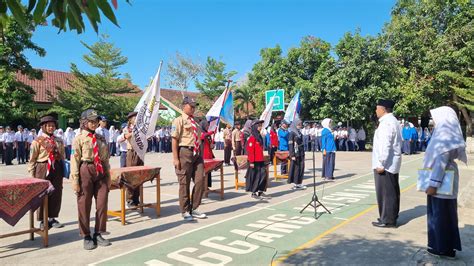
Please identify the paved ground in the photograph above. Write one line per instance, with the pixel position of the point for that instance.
(241, 231)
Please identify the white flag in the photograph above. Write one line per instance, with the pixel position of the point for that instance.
(145, 123)
(267, 113)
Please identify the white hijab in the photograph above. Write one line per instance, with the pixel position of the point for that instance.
(326, 122)
(447, 136)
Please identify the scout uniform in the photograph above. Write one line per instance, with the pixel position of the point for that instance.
(236, 141)
(90, 169)
(133, 195)
(46, 162)
(186, 131)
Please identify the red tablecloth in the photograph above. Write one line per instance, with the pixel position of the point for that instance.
(282, 155)
(18, 196)
(133, 176)
(212, 165)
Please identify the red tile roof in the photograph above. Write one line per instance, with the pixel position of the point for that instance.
(51, 80)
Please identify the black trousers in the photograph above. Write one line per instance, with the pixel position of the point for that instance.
(21, 152)
(8, 153)
(227, 151)
(2, 152)
(387, 189)
(296, 171)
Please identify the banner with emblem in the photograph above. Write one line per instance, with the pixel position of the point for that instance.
(145, 122)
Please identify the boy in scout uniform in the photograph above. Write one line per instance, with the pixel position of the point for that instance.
(90, 177)
(188, 161)
(46, 162)
(133, 195)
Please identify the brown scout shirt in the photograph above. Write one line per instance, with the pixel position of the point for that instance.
(129, 144)
(182, 130)
(39, 154)
(235, 137)
(82, 150)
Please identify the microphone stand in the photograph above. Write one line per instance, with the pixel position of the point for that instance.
(315, 203)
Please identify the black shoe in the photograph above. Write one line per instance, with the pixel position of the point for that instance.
(54, 223)
(89, 243)
(384, 225)
(99, 240)
(447, 255)
(131, 205)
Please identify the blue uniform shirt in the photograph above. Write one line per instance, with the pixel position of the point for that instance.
(327, 141)
(406, 133)
(283, 139)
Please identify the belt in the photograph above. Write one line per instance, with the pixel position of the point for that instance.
(88, 162)
(187, 147)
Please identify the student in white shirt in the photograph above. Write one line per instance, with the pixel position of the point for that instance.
(386, 162)
(9, 145)
(122, 143)
(112, 141)
(2, 142)
(20, 142)
(68, 139)
(361, 139)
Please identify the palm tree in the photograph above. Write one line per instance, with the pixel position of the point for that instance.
(245, 97)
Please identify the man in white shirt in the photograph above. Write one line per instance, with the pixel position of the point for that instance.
(102, 129)
(20, 143)
(386, 162)
(122, 144)
(2, 141)
(8, 145)
(361, 139)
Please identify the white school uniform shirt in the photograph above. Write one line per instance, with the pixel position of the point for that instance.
(21, 136)
(319, 132)
(122, 143)
(387, 152)
(2, 137)
(313, 131)
(361, 134)
(69, 137)
(31, 137)
(9, 137)
(104, 132)
(352, 135)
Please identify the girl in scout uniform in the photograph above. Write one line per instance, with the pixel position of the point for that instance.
(91, 178)
(46, 162)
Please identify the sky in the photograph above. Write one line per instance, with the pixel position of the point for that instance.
(233, 31)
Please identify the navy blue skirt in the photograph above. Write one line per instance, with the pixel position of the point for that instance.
(443, 231)
(329, 162)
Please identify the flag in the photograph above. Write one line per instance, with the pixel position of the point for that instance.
(223, 107)
(227, 112)
(145, 122)
(293, 108)
(267, 113)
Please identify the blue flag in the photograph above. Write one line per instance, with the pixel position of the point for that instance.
(293, 108)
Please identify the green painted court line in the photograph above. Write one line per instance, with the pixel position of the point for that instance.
(224, 241)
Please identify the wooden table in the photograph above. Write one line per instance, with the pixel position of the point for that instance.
(19, 196)
(281, 156)
(241, 163)
(214, 165)
(134, 177)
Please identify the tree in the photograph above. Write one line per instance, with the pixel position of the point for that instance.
(16, 99)
(65, 13)
(215, 79)
(245, 97)
(351, 85)
(432, 43)
(181, 71)
(106, 91)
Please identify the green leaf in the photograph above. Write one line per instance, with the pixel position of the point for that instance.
(38, 14)
(107, 10)
(76, 13)
(17, 11)
(3, 7)
(31, 5)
